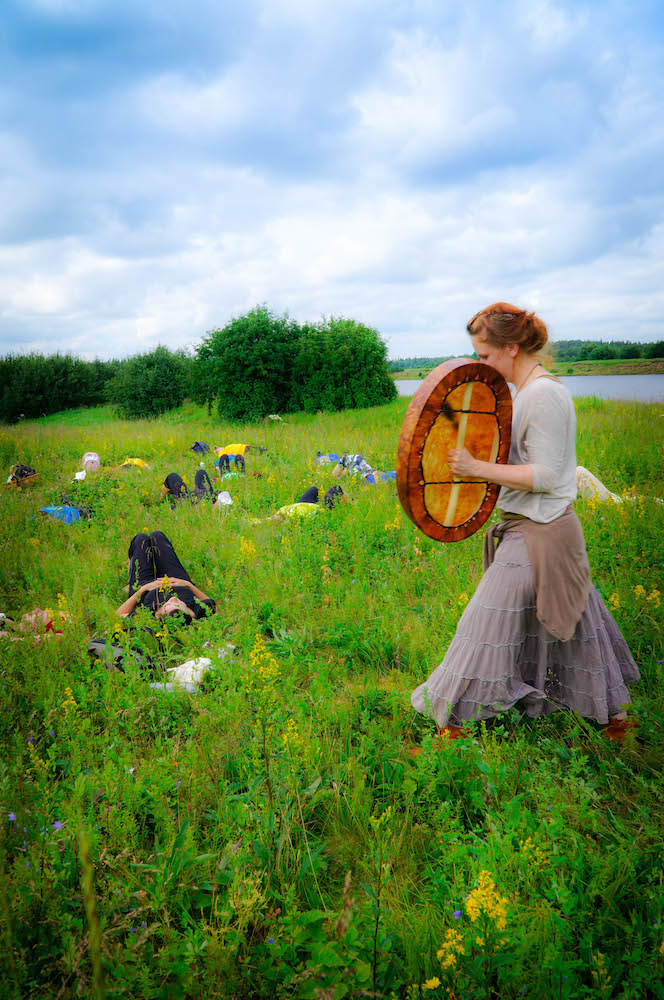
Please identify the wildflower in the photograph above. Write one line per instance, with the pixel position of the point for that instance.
(451, 948)
(270, 940)
(143, 925)
(247, 549)
(456, 914)
(69, 705)
(654, 598)
(382, 820)
(57, 825)
(178, 783)
(431, 984)
(614, 600)
(532, 853)
(264, 667)
(600, 973)
(463, 599)
(292, 740)
(486, 900)
(639, 591)
(11, 817)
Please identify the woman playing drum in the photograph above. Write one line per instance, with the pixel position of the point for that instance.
(536, 633)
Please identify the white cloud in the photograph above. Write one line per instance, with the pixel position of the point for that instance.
(403, 171)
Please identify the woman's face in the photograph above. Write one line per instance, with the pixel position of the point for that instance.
(500, 358)
(171, 606)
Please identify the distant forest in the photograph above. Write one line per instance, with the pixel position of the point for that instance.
(563, 350)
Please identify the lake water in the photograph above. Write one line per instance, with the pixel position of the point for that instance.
(645, 388)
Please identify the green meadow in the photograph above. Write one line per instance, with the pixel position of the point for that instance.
(271, 836)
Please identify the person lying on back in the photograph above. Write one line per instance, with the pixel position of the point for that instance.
(159, 582)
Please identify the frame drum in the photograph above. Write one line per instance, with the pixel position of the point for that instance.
(461, 404)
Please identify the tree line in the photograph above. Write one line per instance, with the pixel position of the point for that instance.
(257, 364)
(563, 351)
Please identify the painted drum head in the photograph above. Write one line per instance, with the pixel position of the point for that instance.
(461, 404)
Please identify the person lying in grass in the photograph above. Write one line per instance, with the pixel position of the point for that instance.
(308, 505)
(357, 465)
(159, 582)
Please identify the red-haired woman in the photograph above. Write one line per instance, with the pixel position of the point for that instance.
(536, 633)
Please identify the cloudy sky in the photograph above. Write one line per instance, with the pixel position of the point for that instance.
(165, 166)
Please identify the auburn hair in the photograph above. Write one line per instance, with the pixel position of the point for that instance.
(502, 324)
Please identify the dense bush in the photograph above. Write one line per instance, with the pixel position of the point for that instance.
(262, 363)
(250, 361)
(341, 365)
(149, 384)
(32, 385)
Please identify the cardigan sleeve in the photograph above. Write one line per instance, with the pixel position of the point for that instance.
(546, 440)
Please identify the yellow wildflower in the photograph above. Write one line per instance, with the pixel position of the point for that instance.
(431, 984)
(293, 741)
(247, 549)
(654, 598)
(382, 820)
(463, 599)
(265, 668)
(532, 853)
(599, 973)
(69, 705)
(486, 900)
(451, 947)
(639, 591)
(614, 600)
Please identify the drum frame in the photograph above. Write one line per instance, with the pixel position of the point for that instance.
(424, 410)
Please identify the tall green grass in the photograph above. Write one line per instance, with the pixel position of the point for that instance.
(271, 837)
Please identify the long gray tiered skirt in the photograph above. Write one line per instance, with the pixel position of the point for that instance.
(502, 656)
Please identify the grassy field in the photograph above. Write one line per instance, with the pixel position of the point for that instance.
(634, 366)
(271, 836)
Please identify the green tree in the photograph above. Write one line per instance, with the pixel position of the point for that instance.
(341, 364)
(602, 352)
(655, 350)
(630, 351)
(251, 361)
(149, 384)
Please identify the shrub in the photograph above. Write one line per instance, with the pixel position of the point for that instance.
(251, 362)
(32, 385)
(341, 364)
(149, 384)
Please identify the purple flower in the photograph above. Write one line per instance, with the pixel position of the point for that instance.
(177, 784)
(31, 739)
(270, 940)
(143, 925)
(456, 914)
(132, 930)
(52, 732)
(11, 817)
(57, 825)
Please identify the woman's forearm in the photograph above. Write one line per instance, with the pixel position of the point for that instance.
(515, 477)
(129, 605)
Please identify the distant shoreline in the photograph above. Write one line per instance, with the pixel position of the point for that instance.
(631, 366)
